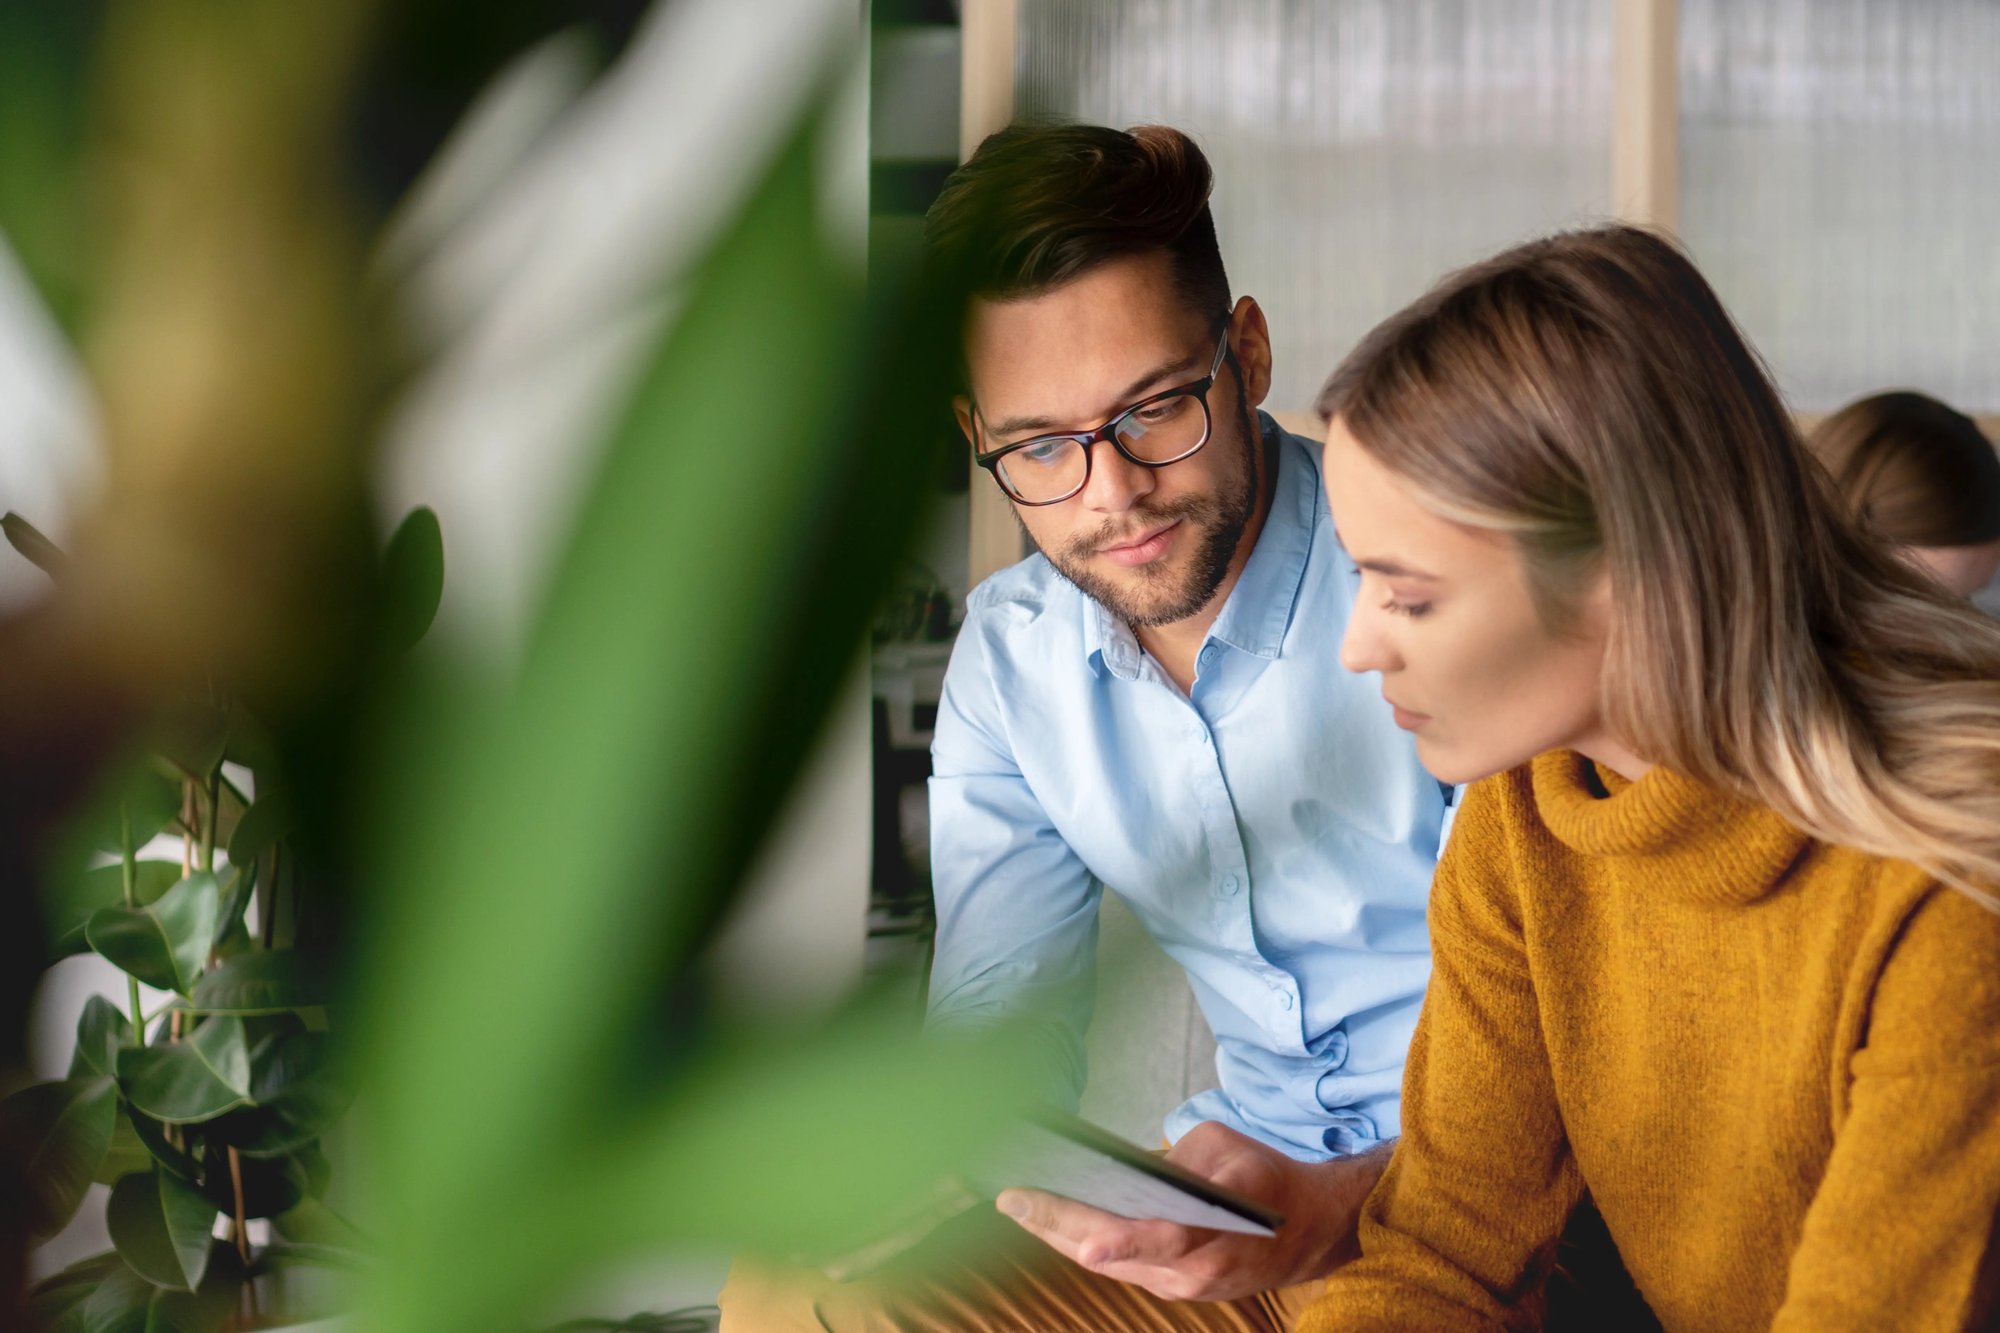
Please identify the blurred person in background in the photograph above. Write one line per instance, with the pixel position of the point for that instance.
(1716, 937)
(1921, 476)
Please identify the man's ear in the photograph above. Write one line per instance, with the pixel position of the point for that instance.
(1250, 344)
(961, 407)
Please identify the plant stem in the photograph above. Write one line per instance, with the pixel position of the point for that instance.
(208, 819)
(187, 827)
(268, 912)
(131, 901)
(236, 1185)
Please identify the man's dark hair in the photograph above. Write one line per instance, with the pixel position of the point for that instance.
(1040, 204)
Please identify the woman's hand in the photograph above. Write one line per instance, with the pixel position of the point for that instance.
(1319, 1201)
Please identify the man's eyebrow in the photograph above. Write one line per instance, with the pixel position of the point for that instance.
(1135, 390)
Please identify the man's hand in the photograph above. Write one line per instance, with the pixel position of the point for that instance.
(1319, 1201)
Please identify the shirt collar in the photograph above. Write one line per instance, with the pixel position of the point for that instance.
(1259, 608)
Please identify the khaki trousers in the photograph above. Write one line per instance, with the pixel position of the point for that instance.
(979, 1273)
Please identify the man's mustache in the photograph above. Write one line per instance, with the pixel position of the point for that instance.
(1124, 531)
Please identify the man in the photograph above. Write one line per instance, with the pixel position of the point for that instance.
(1153, 703)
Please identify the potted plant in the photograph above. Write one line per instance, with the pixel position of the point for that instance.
(207, 1111)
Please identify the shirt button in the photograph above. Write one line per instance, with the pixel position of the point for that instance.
(1285, 1000)
(1231, 884)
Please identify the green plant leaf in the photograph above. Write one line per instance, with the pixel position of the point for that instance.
(263, 981)
(100, 1032)
(234, 941)
(125, 1302)
(412, 579)
(163, 1227)
(268, 819)
(33, 546)
(152, 1136)
(192, 1080)
(60, 1132)
(54, 1297)
(299, 1090)
(236, 891)
(165, 943)
(128, 1151)
(69, 909)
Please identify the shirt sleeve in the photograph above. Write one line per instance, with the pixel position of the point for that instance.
(1461, 1229)
(1900, 1233)
(1016, 908)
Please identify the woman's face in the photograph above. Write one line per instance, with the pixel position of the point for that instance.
(1445, 615)
(1963, 569)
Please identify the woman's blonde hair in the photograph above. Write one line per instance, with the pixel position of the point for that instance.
(1588, 394)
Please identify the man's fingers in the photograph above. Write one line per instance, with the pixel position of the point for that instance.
(1093, 1237)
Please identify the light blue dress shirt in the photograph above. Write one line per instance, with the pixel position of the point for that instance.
(1272, 829)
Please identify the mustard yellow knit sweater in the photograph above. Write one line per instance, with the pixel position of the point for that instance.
(1774, 1064)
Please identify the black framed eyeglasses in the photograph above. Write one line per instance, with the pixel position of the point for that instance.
(1153, 432)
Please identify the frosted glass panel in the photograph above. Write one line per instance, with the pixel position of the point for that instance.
(1840, 177)
(1361, 147)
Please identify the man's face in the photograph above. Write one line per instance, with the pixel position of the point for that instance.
(1153, 545)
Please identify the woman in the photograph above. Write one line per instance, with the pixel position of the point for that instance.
(1715, 935)
(1922, 477)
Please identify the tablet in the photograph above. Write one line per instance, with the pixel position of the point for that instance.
(1061, 1154)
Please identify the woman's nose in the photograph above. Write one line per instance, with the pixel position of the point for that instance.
(1363, 647)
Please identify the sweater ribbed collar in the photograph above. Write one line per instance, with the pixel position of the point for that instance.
(1668, 831)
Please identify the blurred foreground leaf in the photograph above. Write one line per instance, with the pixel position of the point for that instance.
(44, 55)
(551, 865)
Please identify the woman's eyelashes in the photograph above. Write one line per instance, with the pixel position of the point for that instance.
(1395, 604)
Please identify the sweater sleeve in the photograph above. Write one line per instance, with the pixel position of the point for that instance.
(1459, 1232)
(1901, 1231)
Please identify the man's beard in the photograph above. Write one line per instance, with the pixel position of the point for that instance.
(1164, 595)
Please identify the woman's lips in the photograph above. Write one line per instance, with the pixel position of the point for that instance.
(1145, 550)
(1407, 720)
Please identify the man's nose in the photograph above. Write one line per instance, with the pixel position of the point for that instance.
(1116, 482)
